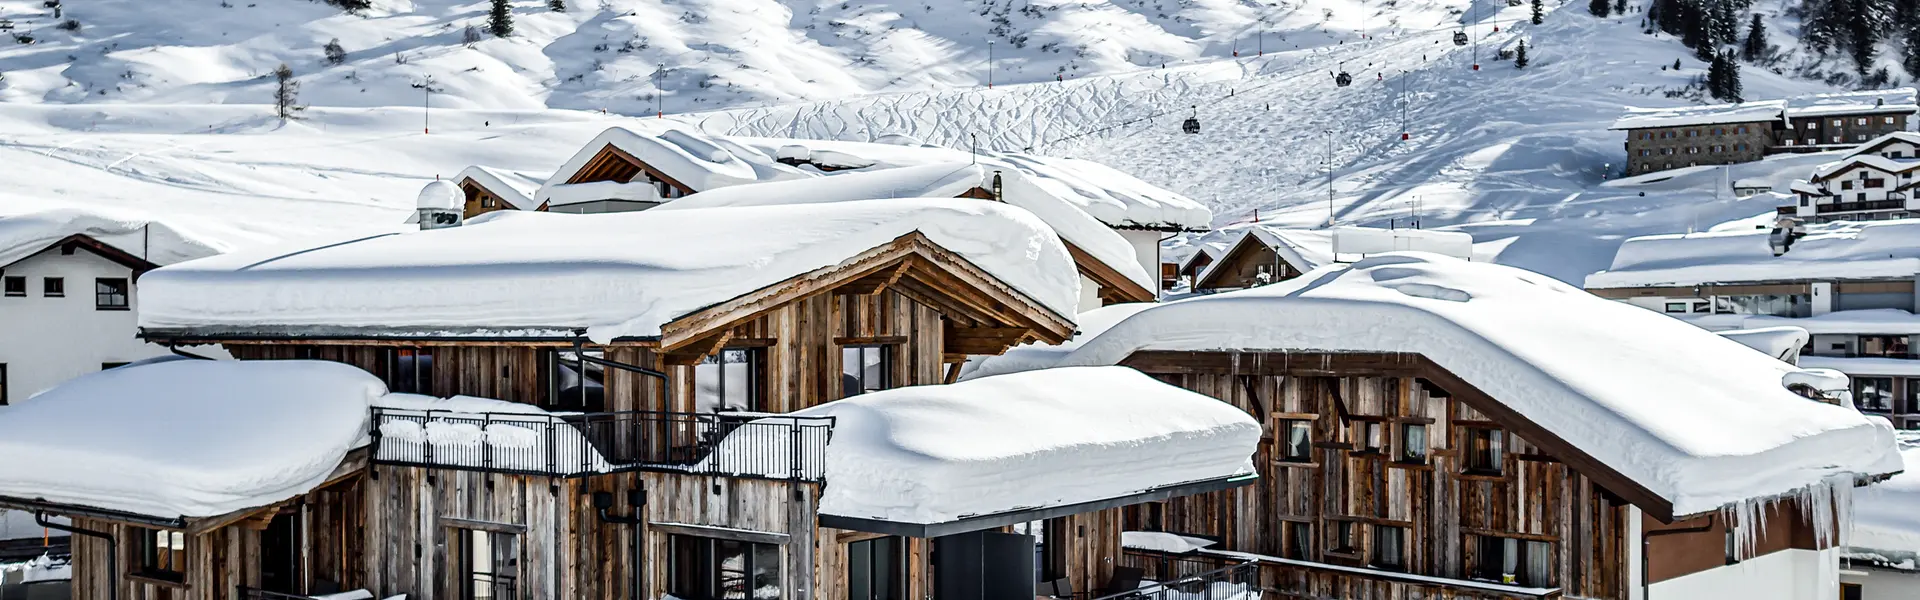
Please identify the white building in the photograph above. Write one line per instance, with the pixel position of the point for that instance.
(1874, 182)
(70, 290)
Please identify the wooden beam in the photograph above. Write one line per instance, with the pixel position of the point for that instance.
(875, 283)
(1113, 284)
(698, 350)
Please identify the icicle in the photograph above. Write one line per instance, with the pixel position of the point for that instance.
(1827, 505)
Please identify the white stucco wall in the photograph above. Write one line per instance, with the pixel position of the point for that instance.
(1089, 294)
(1146, 249)
(1880, 584)
(45, 341)
(1784, 575)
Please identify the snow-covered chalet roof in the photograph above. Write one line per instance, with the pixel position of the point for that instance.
(516, 187)
(1116, 198)
(1035, 355)
(616, 275)
(1848, 103)
(1829, 251)
(939, 180)
(937, 453)
(1305, 249)
(27, 234)
(844, 155)
(701, 162)
(1884, 518)
(186, 438)
(1694, 418)
(1711, 114)
(1882, 163)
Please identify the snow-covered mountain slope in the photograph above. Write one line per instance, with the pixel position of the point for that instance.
(619, 54)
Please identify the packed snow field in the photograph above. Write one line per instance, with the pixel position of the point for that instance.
(1520, 158)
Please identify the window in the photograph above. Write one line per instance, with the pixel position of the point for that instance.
(1873, 393)
(731, 380)
(410, 370)
(1874, 183)
(1676, 307)
(1851, 591)
(1885, 346)
(1485, 454)
(1836, 139)
(1644, 152)
(1512, 561)
(1341, 538)
(1888, 120)
(1741, 129)
(110, 293)
(1299, 540)
(1846, 184)
(711, 569)
(160, 554)
(53, 287)
(573, 384)
(1389, 548)
(3, 384)
(1413, 443)
(877, 569)
(1813, 124)
(16, 286)
(1372, 436)
(1296, 441)
(1702, 307)
(1839, 122)
(489, 564)
(488, 202)
(107, 366)
(1787, 142)
(865, 369)
(1913, 397)
(1860, 121)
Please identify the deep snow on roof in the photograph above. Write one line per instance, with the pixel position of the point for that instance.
(1116, 198)
(1697, 419)
(516, 187)
(936, 453)
(1883, 514)
(697, 160)
(1835, 250)
(26, 234)
(615, 275)
(938, 180)
(1841, 103)
(1035, 355)
(188, 438)
(1712, 114)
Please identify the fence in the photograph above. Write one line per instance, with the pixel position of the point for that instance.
(247, 593)
(755, 445)
(1161, 566)
(1237, 582)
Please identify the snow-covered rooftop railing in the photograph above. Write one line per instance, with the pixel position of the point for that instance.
(1110, 195)
(1843, 103)
(622, 275)
(186, 438)
(1828, 251)
(938, 453)
(1697, 420)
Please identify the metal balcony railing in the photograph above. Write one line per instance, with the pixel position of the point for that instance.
(1237, 582)
(751, 445)
(1859, 206)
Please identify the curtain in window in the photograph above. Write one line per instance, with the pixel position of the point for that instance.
(1539, 564)
(1299, 440)
(1413, 443)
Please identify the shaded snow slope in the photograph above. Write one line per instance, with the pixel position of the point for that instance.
(1698, 419)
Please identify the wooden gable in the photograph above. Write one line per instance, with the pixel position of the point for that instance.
(614, 164)
(81, 241)
(1115, 287)
(1242, 264)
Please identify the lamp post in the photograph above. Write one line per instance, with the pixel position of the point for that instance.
(1329, 178)
(660, 91)
(989, 64)
(426, 105)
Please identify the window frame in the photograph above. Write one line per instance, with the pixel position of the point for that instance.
(1370, 437)
(153, 561)
(3, 384)
(1294, 545)
(755, 362)
(1487, 460)
(885, 352)
(1341, 539)
(14, 286)
(896, 585)
(1858, 385)
(403, 369)
(1284, 432)
(103, 298)
(707, 572)
(1376, 552)
(53, 287)
(557, 398)
(1409, 452)
(499, 577)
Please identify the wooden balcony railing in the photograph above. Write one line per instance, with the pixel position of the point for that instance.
(751, 445)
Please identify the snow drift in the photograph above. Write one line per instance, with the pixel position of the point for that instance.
(26, 234)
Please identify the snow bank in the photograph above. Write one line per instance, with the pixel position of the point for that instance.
(1842, 103)
(1116, 198)
(1696, 418)
(1884, 515)
(1783, 343)
(1884, 321)
(1864, 365)
(1034, 355)
(187, 438)
(1829, 251)
(840, 153)
(937, 453)
(1160, 541)
(38, 569)
(576, 193)
(616, 275)
(474, 432)
(515, 187)
(26, 234)
(1712, 114)
(440, 194)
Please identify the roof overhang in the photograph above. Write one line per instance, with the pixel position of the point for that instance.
(81, 241)
(1024, 515)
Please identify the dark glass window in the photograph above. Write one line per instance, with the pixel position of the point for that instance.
(110, 293)
(712, 569)
(1373, 437)
(54, 287)
(1512, 561)
(1873, 393)
(3, 384)
(1389, 548)
(1413, 443)
(1888, 346)
(877, 569)
(1296, 441)
(1340, 538)
(410, 370)
(865, 369)
(160, 554)
(16, 285)
(1299, 540)
(573, 384)
(1486, 451)
(489, 564)
(733, 379)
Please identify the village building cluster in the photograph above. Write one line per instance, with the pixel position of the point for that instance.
(713, 368)
(1724, 134)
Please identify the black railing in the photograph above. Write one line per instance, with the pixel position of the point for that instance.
(247, 593)
(1237, 582)
(754, 445)
(1162, 566)
(1862, 205)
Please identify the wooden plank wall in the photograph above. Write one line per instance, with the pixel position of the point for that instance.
(1535, 497)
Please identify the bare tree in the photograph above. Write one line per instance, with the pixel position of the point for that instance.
(286, 94)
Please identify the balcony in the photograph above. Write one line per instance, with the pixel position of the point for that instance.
(1840, 207)
(749, 445)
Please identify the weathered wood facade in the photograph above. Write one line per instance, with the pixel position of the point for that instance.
(1400, 449)
(1249, 263)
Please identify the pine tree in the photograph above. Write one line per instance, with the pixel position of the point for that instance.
(1730, 88)
(1863, 37)
(286, 94)
(1600, 8)
(557, 5)
(1620, 7)
(335, 53)
(500, 19)
(1676, 64)
(1539, 12)
(1755, 48)
(1910, 52)
(1520, 55)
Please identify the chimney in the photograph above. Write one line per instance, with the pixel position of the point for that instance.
(441, 205)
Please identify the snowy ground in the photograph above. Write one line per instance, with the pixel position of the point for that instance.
(1518, 158)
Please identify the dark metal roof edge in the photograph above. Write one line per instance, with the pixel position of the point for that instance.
(76, 510)
(1001, 519)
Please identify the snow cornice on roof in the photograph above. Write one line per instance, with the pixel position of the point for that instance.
(1764, 111)
(135, 242)
(516, 188)
(1869, 102)
(1839, 250)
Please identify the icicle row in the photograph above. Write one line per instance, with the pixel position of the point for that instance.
(1827, 505)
